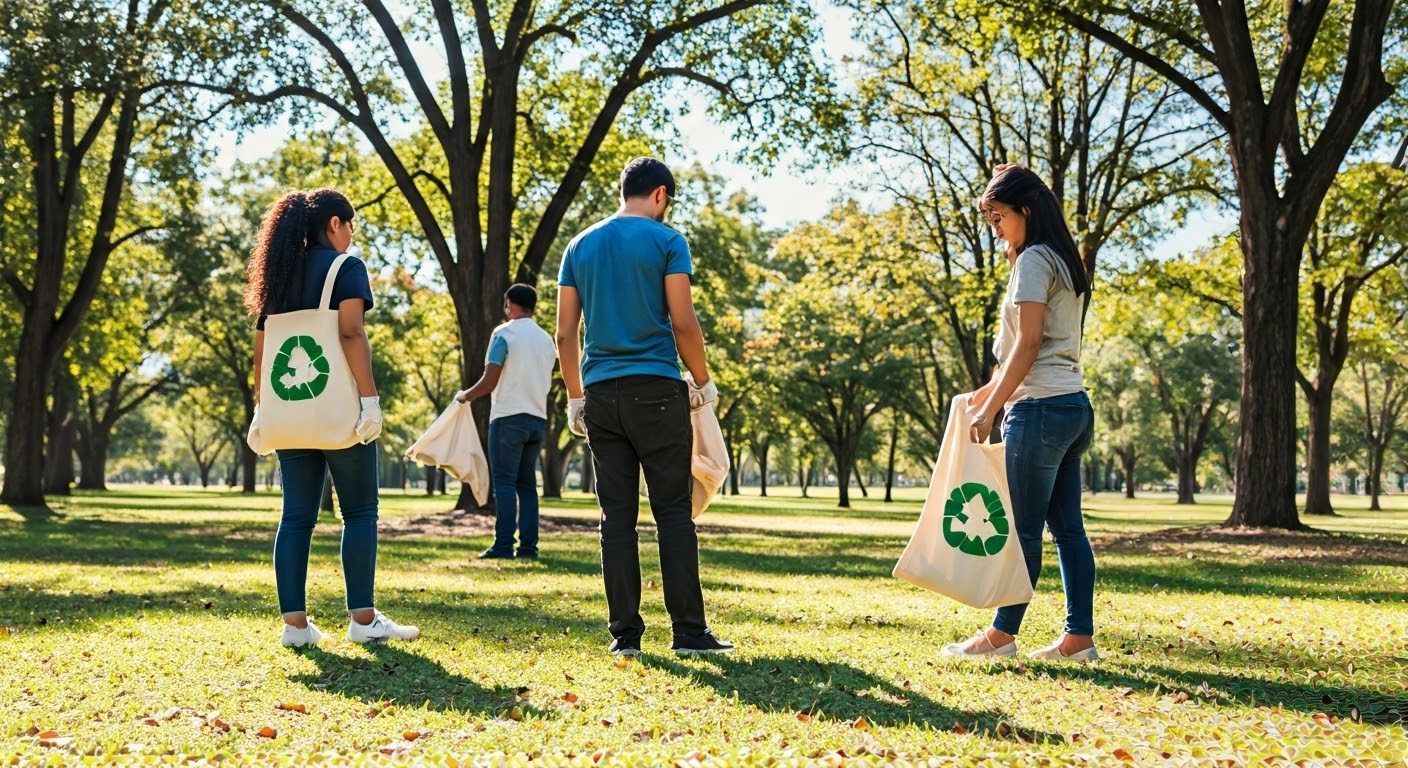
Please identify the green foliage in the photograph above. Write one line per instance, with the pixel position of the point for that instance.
(142, 628)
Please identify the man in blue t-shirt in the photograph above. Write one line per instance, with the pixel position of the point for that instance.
(628, 277)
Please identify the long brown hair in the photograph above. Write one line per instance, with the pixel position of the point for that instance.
(293, 224)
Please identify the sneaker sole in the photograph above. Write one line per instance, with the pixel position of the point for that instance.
(702, 652)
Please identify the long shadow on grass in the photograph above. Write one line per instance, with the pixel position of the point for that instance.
(33, 515)
(398, 674)
(1229, 689)
(797, 684)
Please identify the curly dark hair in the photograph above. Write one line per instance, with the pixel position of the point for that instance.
(1020, 188)
(293, 224)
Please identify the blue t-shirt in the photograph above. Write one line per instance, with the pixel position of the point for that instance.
(618, 267)
(305, 289)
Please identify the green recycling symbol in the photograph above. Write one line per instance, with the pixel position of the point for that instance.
(997, 517)
(300, 371)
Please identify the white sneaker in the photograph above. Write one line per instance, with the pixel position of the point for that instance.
(380, 630)
(983, 647)
(297, 638)
(1053, 653)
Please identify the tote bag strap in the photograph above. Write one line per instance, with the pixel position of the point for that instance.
(330, 279)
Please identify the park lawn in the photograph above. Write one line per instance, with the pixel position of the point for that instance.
(140, 624)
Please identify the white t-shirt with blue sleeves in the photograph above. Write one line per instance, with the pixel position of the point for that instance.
(527, 354)
(618, 267)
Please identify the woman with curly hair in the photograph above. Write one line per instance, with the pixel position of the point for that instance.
(300, 237)
(1048, 421)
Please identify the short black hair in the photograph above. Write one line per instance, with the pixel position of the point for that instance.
(525, 296)
(644, 175)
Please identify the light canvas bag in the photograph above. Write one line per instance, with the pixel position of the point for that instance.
(965, 545)
(709, 463)
(452, 443)
(307, 396)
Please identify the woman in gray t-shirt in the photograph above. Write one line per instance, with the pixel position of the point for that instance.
(1049, 421)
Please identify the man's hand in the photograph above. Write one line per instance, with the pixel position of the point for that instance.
(575, 408)
(700, 396)
(462, 396)
(369, 422)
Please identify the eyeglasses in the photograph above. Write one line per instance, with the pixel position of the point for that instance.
(351, 226)
(994, 216)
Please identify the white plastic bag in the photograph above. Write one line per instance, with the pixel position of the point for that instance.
(965, 545)
(452, 443)
(710, 462)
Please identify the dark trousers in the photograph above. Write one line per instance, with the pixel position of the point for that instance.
(635, 424)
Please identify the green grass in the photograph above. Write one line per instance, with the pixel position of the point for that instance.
(158, 606)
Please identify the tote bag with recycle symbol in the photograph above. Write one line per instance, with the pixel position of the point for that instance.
(307, 396)
(965, 545)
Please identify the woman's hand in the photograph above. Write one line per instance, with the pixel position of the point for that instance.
(981, 428)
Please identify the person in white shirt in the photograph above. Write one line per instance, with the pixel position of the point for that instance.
(518, 373)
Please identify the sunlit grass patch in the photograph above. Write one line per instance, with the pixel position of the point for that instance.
(142, 625)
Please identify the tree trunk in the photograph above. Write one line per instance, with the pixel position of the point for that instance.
(58, 460)
(1187, 465)
(249, 466)
(63, 427)
(587, 483)
(803, 475)
(1130, 463)
(890, 461)
(733, 459)
(844, 466)
(1266, 477)
(1317, 454)
(93, 473)
(760, 451)
(860, 482)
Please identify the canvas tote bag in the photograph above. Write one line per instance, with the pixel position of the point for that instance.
(452, 443)
(965, 545)
(307, 396)
(710, 463)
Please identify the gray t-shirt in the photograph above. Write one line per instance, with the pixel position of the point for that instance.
(1038, 276)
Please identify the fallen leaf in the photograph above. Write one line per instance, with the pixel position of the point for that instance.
(861, 724)
(570, 678)
(289, 707)
(56, 741)
(608, 722)
(569, 697)
(411, 735)
(48, 734)
(218, 724)
(622, 662)
(1121, 754)
(959, 728)
(804, 717)
(267, 733)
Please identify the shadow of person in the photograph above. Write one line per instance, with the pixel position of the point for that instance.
(837, 691)
(397, 673)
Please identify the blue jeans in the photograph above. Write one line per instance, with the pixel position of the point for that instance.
(354, 476)
(514, 443)
(1045, 439)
